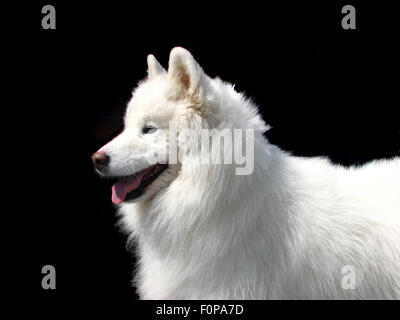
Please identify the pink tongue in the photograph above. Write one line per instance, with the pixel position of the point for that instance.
(122, 187)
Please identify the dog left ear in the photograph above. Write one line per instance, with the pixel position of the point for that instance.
(154, 68)
(184, 71)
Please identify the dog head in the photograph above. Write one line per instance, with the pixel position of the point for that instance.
(151, 151)
(140, 157)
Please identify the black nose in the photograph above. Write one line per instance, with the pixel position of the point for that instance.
(100, 160)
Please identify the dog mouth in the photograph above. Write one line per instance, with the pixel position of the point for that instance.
(132, 186)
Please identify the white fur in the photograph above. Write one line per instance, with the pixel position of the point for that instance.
(284, 232)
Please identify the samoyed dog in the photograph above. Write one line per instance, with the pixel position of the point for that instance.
(289, 228)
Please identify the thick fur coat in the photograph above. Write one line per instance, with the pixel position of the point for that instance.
(290, 230)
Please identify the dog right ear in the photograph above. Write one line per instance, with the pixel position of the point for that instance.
(154, 68)
(184, 71)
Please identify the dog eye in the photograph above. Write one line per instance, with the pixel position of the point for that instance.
(148, 129)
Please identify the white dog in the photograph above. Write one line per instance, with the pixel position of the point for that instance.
(295, 228)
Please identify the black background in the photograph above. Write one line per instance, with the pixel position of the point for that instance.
(324, 90)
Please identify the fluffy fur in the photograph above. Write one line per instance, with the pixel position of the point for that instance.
(284, 232)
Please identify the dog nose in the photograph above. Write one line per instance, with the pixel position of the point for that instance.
(100, 160)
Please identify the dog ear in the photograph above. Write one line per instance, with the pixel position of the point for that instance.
(184, 71)
(154, 68)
